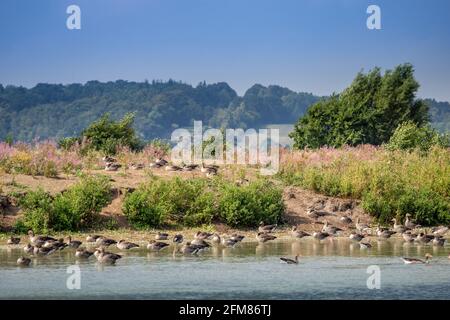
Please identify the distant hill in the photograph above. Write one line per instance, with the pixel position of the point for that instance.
(55, 111)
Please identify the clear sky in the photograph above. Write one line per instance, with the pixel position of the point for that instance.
(307, 45)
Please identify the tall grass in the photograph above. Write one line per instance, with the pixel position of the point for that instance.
(389, 183)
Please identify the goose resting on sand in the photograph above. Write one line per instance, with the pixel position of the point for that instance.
(125, 245)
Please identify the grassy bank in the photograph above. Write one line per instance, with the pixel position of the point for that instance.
(389, 183)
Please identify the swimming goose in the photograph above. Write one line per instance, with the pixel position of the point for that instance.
(22, 261)
(73, 243)
(409, 224)
(28, 248)
(346, 219)
(439, 231)
(161, 236)
(35, 239)
(107, 257)
(361, 226)
(414, 260)
(438, 241)
(408, 236)
(266, 228)
(172, 168)
(365, 245)
(189, 249)
(178, 238)
(102, 241)
(202, 235)
(92, 237)
(83, 253)
(112, 166)
(384, 233)
(320, 235)
(264, 237)
(299, 233)
(290, 261)
(43, 251)
(424, 238)
(398, 227)
(125, 245)
(237, 237)
(356, 236)
(13, 240)
(330, 229)
(156, 245)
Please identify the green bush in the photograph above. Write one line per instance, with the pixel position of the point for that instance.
(409, 136)
(246, 206)
(73, 210)
(198, 201)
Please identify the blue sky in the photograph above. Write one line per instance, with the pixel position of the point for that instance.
(307, 45)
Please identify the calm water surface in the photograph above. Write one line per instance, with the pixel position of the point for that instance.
(327, 270)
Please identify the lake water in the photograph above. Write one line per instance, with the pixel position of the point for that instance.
(327, 270)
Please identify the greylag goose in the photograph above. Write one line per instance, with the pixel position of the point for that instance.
(125, 245)
(320, 235)
(414, 260)
(408, 236)
(189, 249)
(237, 237)
(200, 242)
(28, 248)
(161, 236)
(112, 166)
(264, 237)
(137, 166)
(315, 214)
(73, 243)
(383, 233)
(438, 241)
(22, 261)
(290, 261)
(102, 241)
(228, 242)
(107, 257)
(190, 167)
(161, 162)
(266, 228)
(13, 240)
(409, 224)
(43, 251)
(439, 231)
(178, 238)
(92, 237)
(83, 253)
(209, 169)
(156, 245)
(215, 238)
(299, 233)
(108, 159)
(424, 238)
(356, 236)
(398, 227)
(155, 165)
(361, 227)
(172, 168)
(365, 245)
(345, 219)
(38, 240)
(202, 235)
(330, 229)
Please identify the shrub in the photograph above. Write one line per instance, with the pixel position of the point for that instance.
(74, 209)
(409, 136)
(246, 206)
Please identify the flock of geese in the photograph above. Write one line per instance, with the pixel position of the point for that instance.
(43, 245)
(40, 245)
(209, 170)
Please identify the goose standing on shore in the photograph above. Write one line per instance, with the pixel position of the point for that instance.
(361, 227)
(330, 229)
(409, 224)
(13, 240)
(125, 245)
(383, 233)
(408, 236)
(398, 227)
(264, 237)
(38, 240)
(73, 243)
(299, 233)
